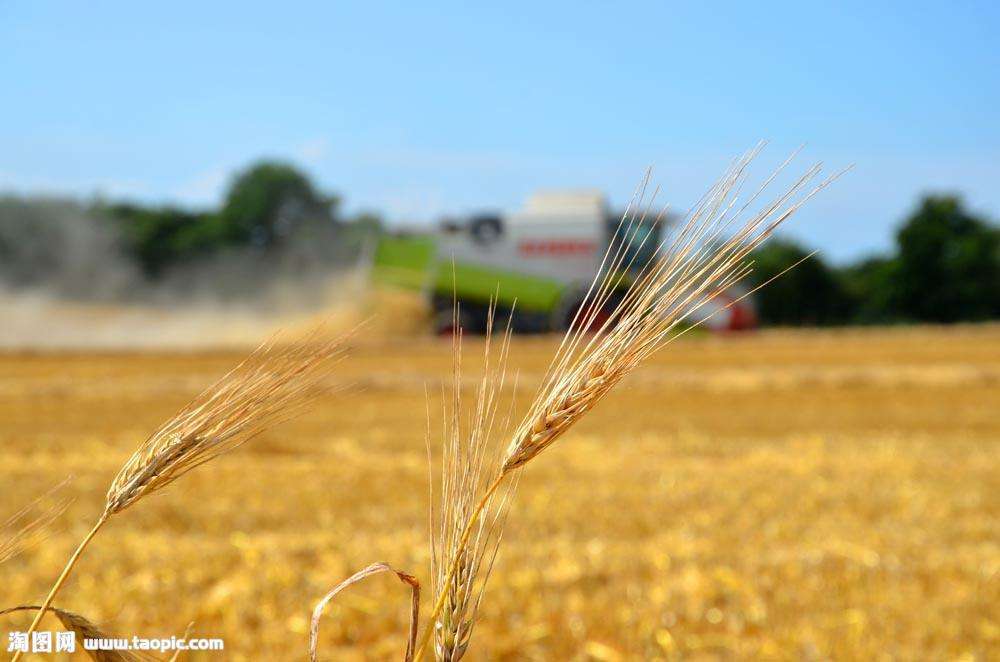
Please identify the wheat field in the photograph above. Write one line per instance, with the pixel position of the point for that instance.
(779, 495)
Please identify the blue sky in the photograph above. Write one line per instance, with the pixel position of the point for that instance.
(419, 110)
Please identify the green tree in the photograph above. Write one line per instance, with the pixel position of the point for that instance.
(949, 264)
(269, 201)
(159, 237)
(870, 285)
(809, 294)
(265, 206)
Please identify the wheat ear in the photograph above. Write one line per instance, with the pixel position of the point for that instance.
(275, 383)
(85, 629)
(704, 257)
(468, 458)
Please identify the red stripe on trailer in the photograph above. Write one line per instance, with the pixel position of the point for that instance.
(556, 247)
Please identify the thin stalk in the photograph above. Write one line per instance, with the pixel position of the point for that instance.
(62, 578)
(453, 568)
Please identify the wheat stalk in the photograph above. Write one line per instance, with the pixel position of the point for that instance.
(704, 257)
(466, 461)
(275, 383)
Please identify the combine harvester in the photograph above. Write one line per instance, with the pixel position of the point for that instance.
(542, 257)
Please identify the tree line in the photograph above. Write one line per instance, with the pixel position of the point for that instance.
(266, 207)
(944, 267)
(273, 227)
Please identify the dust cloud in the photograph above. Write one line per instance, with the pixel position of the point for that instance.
(67, 283)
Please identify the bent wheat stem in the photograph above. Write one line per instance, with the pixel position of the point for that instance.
(373, 569)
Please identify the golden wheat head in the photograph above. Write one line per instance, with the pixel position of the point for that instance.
(702, 258)
(468, 466)
(85, 629)
(646, 307)
(273, 384)
(276, 382)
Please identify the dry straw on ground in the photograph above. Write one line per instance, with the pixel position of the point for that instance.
(705, 256)
(276, 382)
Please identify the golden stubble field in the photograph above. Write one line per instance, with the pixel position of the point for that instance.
(784, 495)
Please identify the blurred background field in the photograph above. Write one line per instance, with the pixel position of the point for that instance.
(782, 495)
